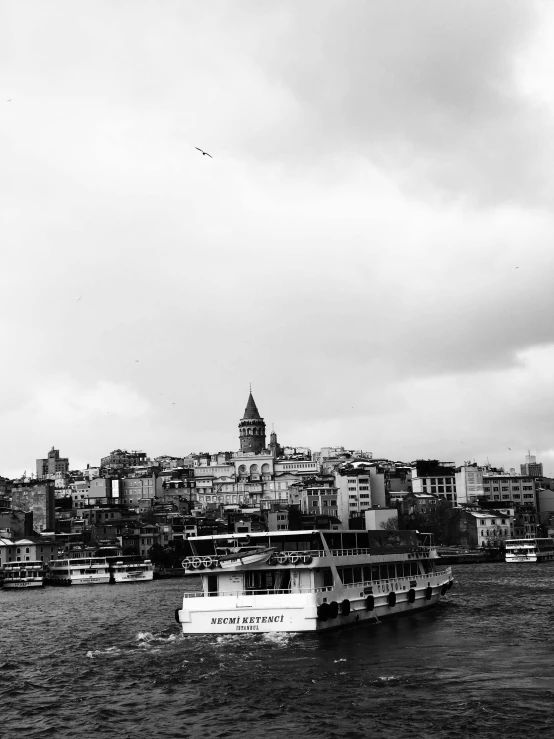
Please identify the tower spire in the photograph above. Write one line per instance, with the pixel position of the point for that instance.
(251, 428)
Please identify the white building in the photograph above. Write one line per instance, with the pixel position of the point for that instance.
(469, 483)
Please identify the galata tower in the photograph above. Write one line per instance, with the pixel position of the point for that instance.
(251, 429)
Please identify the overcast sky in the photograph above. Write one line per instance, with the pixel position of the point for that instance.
(371, 245)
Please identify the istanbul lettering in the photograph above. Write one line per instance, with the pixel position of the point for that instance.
(248, 623)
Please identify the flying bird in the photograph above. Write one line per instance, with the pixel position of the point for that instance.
(204, 153)
(510, 448)
(9, 101)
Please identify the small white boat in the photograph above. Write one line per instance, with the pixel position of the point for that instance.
(83, 571)
(23, 574)
(529, 550)
(246, 556)
(131, 569)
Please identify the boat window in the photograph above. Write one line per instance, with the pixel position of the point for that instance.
(333, 539)
(349, 541)
(327, 577)
(357, 574)
(212, 585)
(383, 572)
(392, 572)
(362, 539)
(205, 547)
(346, 575)
(268, 580)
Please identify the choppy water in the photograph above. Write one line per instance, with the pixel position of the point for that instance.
(110, 662)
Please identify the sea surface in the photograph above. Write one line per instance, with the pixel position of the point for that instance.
(109, 662)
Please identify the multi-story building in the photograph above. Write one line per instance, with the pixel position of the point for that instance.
(167, 462)
(437, 478)
(360, 486)
(531, 468)
(469, 483)
(471, 527)
(26, 550)
(47, 468)
(136, 488)
(278, 520)
(121, 459)
(15, 523)
(38, 497)
(509, 489)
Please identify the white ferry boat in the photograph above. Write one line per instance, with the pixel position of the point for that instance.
(130, 568)
(83, 571)
(529, 550)
(23, 574)
(309, 580)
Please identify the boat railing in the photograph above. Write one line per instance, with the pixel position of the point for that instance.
(300, 556)
(386, 583)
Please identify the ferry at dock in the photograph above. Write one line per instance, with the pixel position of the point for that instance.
(300, 581)
(529, 550)
(22, 574)
(80, 571)
(130, 568)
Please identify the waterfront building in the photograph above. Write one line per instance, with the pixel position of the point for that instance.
(26, 550)
(47, 468)
(476, 528)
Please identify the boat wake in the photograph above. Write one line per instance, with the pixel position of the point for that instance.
(109, 651)
(279, 638)
(147, 639)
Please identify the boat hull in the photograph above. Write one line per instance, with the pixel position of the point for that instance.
(36, 583)
(81, 580)
(299, 612)
(141, 576)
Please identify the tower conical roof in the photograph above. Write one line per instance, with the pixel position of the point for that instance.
(251, 411)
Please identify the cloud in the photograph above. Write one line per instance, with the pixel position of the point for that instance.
(331, 252)
(429, 91)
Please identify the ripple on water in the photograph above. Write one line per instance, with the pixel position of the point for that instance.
(111, 662)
